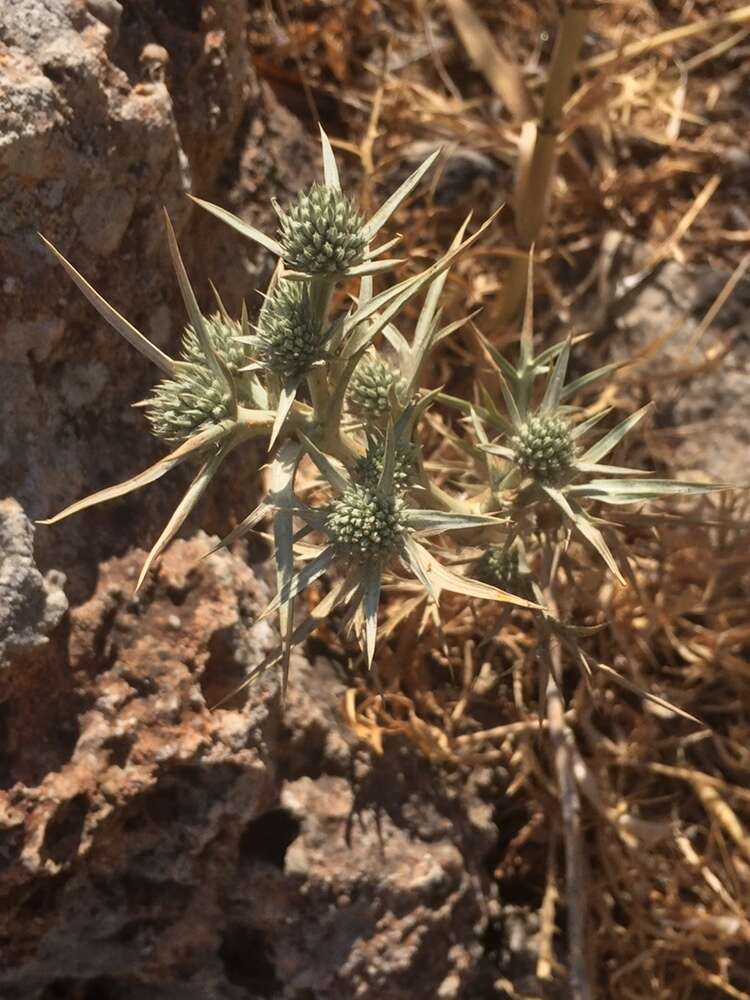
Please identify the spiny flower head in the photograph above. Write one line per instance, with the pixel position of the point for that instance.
(368, 468)
(543, 447)
(223, 334)
(182, 406)
(365, 523)
(499, 567)
(373, 388)
(321, 232)
(289, 338)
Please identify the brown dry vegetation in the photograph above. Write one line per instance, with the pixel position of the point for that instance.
(652, 167)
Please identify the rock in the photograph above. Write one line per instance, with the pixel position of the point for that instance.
(400, 929)
(155, 789)
(702, 406)
(177, 851)
(31, 605)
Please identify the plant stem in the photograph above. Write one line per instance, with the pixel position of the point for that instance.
(561, 738)
(317, 381)
(537, 160)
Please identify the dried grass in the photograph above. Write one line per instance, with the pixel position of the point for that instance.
(651, 146)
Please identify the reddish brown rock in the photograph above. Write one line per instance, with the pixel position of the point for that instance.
(239, 852)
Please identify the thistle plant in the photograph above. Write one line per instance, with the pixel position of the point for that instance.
(368, 468)
(322, 232)
(225, 337)
(194, 400)
(290, 339)
(374, 387)
(342, 390)
(543, 447)
(499, 565)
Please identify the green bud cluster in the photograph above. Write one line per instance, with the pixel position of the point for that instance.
(543, 447)
(290, 337)
(223, 334)
(192, 401)
(499, 567)
(368, 468)
(373, 388)
(321, 233)
(365, 523)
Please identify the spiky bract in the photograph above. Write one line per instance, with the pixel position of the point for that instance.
(373, 388)
(223, 334)
(290, 338)
(181, 407)
(543, 447)
(365, 523)
(321, 232)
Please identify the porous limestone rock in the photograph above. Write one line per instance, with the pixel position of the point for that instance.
(174, 851)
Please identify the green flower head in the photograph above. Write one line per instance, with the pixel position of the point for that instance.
(321, 232)
(289, 339)
(373, 388)
(368, 468)
(499, 566)
(543, 447)
(365, 524)
(192, 401)
(223, 334)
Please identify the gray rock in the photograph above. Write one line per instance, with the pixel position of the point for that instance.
(700, 383)
(31, 605)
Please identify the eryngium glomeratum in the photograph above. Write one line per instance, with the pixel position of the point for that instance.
(321, 232)
(543, 447)
(499, 567)
(373, 388)
(289, 338)
(223, 334)
(192, 401)
(365, 523)
(368, 468)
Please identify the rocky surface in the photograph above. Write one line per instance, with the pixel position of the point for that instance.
(697, 377)
(31, 605)
(173, 851)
